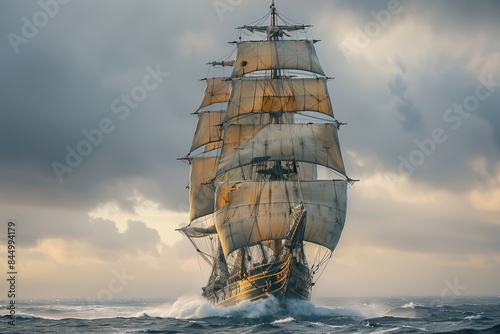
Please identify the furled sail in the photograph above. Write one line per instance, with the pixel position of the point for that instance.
(217, 91)
(280, 27)
(265, 95)
(250, 212)
(312, 143)
(276, 54)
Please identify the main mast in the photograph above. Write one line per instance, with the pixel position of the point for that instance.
(273, 36)
(275, 74)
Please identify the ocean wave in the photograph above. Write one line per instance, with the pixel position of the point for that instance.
(411, 305)
(27, 316)
(196, 307)
(193, 314)
(475, 317)
(283, 321)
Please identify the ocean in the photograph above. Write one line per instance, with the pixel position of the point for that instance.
(190, 314)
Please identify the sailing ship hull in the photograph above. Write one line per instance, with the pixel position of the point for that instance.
(284, 279)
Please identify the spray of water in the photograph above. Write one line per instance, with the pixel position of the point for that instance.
(195, 307)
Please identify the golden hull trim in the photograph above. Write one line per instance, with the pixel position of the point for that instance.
(284, 280)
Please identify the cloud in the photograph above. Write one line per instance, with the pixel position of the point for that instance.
(416, 75)
(412, 119)
(37, 225)
(444, 223)
(393, 93)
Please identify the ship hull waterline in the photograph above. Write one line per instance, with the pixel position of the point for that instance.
(284, 280)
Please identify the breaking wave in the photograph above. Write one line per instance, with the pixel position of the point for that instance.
(195, 307)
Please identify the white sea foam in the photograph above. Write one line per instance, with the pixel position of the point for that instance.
(282, 321)
(474, 317)
(411, 305)
(196, 307)
(26, 316)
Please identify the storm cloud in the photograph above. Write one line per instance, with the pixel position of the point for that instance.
(83, 84)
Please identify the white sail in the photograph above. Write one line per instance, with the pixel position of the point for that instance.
(276, 54)
(250, 212)
(217, 91)
(326, 205)
(312, 143)
(200, 227)
(265, 95)
(201, 195)
(208, 129)
(307, 171)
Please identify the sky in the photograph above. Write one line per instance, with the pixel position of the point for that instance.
(418, 83)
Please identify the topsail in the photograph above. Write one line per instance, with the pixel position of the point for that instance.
(276, 54)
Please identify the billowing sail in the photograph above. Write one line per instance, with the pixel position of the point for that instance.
(326, 205)
(194, 231)
(201, 195)
(250, 212)
(307, 171)
(276, 54)
(208, 129)
(312, 143)
(217, 91)
(265, 95)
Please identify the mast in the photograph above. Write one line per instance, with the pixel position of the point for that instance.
(274, 37)
(273, 14)
(275, 74)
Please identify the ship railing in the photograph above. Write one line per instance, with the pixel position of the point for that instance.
(281, 275)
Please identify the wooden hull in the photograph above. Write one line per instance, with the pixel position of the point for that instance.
(284, 279)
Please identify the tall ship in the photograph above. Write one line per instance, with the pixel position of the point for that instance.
(267, 186)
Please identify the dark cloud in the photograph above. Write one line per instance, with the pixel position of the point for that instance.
(424, 91)
(64, 80)
(412, 118)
